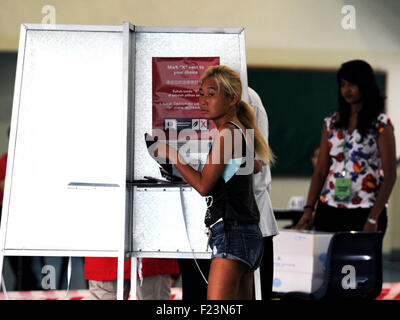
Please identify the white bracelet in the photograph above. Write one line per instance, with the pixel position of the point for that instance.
(372, 221)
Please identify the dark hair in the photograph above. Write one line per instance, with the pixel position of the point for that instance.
(360, 73)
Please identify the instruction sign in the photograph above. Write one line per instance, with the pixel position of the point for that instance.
(176, 94)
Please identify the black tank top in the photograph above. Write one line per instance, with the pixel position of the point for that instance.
(234, 199)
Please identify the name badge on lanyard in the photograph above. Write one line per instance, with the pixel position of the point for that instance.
(342, 190)
(343, 184)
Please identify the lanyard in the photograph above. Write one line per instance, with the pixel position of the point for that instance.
(345, 153)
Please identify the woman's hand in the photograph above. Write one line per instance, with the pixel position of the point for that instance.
(258, 164)
(368, 226)
(305, 222)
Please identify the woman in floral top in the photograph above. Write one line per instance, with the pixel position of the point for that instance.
(356, 167)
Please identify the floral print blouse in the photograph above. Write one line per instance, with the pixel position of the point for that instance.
(363, 165)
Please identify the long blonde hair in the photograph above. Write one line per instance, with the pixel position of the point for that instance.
(229, 80)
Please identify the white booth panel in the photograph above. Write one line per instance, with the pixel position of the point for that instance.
(69, 154)
(228, 45)
(169, 220)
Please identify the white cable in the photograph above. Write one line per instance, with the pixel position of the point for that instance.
(187, 233)
(3, 286)
(68, 277)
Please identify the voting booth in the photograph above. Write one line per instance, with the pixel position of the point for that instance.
(77, 160)
(299, 260)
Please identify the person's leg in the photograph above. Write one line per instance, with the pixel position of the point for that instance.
(26, 279)
(194, 287)
(246, 286)
(156, 287)
(102, 290)
(107, 290)
(225, 279)
(267, 269)
(163, 287)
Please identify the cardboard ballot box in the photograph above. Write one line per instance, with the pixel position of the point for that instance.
(299, 260)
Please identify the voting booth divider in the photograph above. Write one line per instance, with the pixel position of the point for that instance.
(77, 160)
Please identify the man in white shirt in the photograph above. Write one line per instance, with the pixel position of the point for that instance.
(262, 188)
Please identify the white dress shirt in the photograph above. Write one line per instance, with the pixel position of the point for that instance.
(262, 179)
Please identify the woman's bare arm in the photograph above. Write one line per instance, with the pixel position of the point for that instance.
(318, 179)
(387, 150)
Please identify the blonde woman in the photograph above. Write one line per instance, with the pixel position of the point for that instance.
(232, 216)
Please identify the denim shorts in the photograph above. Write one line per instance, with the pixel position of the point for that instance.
(235, 241)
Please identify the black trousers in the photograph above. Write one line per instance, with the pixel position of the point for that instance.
(22, 269)
(332, 219)
(194, 288)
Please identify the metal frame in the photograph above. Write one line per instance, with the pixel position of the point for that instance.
(216, 30)
(72, 27)
(125, 235)
(11, 147)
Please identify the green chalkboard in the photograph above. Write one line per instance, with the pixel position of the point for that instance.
(296, 101)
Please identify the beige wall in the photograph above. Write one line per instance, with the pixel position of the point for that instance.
(394, 218)
(279, 33)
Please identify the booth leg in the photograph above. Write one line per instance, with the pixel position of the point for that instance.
(257, 284)
(120, 277)
(133, 279)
